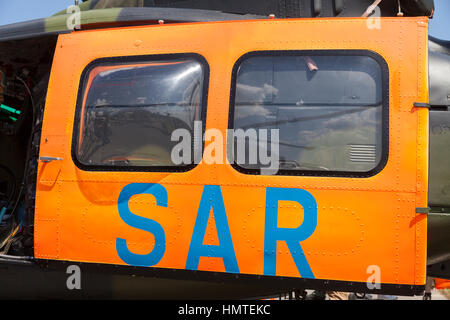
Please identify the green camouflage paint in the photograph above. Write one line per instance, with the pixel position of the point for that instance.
(59, 22)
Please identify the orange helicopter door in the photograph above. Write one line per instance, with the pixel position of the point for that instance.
(278, 148)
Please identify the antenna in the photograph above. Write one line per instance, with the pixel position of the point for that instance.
(400, 13)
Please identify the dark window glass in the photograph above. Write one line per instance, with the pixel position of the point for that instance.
(130, 110)
(328, 109)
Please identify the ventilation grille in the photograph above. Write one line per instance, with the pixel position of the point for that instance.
(363, 153)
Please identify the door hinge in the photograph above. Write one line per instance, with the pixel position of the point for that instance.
(429, 106)
(423, 210)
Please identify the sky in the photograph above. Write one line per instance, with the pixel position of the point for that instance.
(12, 11)
(440, 24)
(22, 10)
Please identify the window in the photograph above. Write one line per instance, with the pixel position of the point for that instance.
(129, 108)
(330, 109)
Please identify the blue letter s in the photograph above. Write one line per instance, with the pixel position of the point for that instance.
(152, 258)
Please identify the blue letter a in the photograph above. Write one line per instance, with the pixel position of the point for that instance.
(291, 236)
(212, 198)
(160, 194)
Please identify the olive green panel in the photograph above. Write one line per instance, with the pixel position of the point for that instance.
(59, 22)
(439, 188)
(83, 7)
(105, 4)
(439, 167)
(438, 238)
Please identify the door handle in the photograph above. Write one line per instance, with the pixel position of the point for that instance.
(49, 171)
(49, 159)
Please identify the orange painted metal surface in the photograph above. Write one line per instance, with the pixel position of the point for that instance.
(442, 284)
(361, 221)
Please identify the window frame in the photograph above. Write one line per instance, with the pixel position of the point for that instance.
(131, 60)
(322, 52)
